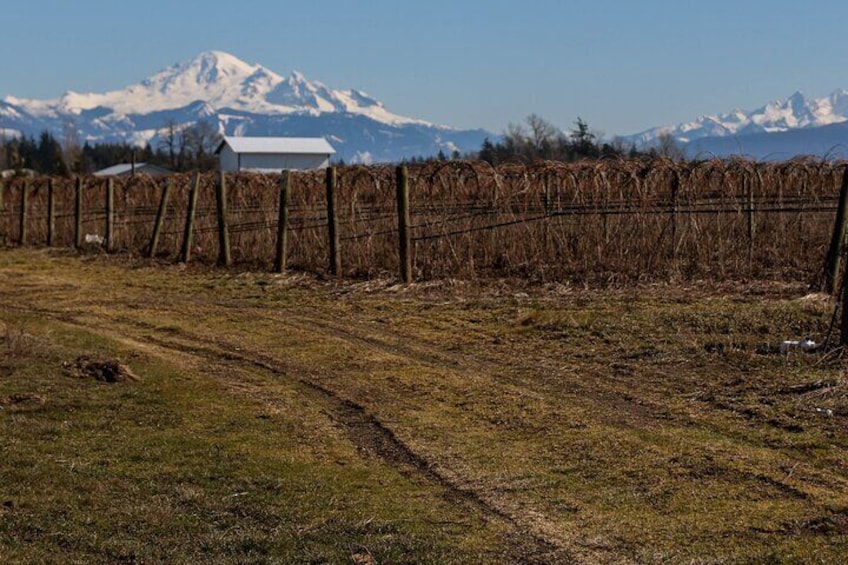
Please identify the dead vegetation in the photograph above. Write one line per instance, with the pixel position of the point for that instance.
(17, 342)
(104, 370)
(18, 399)
(607, 222)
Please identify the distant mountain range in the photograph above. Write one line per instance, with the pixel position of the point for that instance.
(237, 98)
(780, 130)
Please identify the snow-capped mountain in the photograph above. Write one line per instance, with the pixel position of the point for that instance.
(754, 133)
(239, 99)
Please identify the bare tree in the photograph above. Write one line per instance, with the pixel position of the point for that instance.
(168, 141)
(515, 133)
(542, 132)
(197, 144)
(668, 146)
(618, 145)
(71, 148)
(203, 139)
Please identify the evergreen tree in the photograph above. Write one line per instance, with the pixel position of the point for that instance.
(488, 152)
(583, 140)
(542, 140)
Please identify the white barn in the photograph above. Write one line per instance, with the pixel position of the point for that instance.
(130, 169)
(273, 154)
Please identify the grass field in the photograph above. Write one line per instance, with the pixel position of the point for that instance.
(288, 420)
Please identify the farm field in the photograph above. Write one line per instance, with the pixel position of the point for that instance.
(287, 419)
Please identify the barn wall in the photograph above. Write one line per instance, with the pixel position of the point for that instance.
(270, 162)
(276, 162)
(228, 159)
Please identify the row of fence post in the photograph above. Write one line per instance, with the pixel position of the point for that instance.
(334, 267)
(23, 215)
(225, 252)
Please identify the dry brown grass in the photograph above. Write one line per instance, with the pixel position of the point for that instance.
(17, 342)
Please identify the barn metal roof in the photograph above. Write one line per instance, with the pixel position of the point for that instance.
(127, 168)
(297, 145)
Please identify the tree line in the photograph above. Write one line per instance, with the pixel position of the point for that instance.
(179, 148)
(183, 147)
(538, 139)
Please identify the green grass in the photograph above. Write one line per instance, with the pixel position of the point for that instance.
(178, 469)
(651, 424)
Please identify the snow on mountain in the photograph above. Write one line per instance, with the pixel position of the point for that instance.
(222, 81)
(828, 142)
(792, 113)
(239, 98)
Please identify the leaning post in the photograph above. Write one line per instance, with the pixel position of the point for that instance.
(185, 253)
(404, 240)
(837, 237)
(843, 327)
(160, 219)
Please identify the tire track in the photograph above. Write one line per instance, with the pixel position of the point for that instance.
(370, 436)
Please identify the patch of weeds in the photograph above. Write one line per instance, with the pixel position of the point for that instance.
(19, 343)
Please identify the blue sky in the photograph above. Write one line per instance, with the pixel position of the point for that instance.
(623, 66)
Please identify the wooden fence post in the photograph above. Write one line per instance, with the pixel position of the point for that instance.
(405, 243)
(185, 254)
(225, 257)
(843, 327)
(110, 214)
(23, 215)
(283, 223)
(2, 213)
(675, 207)
(836, 239)
(749, 193)
(332, 223)
(546, 203)
(160, 219)
(78, 213)
(51, 212)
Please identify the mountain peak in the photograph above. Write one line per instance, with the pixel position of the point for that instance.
(209, 70)
(213, 63)
(237, 98)
(223, 81)
(216, 55)
(795, 112)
